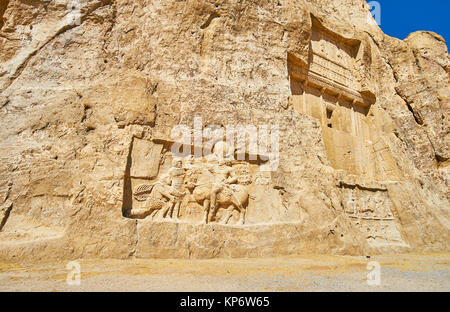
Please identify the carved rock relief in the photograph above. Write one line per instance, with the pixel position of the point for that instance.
(328, 89)
(332, 57)
(161, 187)
(370, 210)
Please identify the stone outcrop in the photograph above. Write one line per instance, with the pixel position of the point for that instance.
(91, 92)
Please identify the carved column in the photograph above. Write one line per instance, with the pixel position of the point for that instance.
(305, 85)
(354, 130)
(323, 110)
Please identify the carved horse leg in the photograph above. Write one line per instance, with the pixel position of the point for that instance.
(154, 213)
(241, 211)
(238, 206)
(169, 209)
(230, 214)
(212, 213)
(242, 220)
(177, 209)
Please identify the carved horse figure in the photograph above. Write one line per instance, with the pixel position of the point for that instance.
(233, 197)
(156, 197)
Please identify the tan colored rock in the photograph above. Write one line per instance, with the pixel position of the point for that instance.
(89, 163)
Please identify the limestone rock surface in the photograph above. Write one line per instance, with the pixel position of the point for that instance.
(90, 92)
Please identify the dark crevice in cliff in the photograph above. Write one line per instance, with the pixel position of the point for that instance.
(373, 40)
(416, 115)
(6, 215)
(417, 62)
(127, 189)
(210, 19)
(6, 207)
(3, 6)
(441, 161)
(393, 72)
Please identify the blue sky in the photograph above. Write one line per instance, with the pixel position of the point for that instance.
(399, 18)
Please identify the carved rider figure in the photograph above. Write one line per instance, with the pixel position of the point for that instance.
(224, 175)
(156, 196)
(176, 177)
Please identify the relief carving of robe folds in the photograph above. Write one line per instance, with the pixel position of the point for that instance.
(199, 190)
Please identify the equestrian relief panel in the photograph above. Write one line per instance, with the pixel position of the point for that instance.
(164, 187)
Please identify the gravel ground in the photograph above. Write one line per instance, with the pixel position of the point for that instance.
(429, 272)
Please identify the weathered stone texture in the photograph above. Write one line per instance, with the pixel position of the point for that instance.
(87, 113)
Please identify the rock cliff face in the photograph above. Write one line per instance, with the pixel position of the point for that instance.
(91, 91)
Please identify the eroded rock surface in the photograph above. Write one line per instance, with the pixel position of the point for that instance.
(90, 94)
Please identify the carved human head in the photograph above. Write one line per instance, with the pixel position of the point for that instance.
(223, 150)
(177, 163)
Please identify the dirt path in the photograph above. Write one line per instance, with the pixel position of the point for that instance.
(429, 272)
